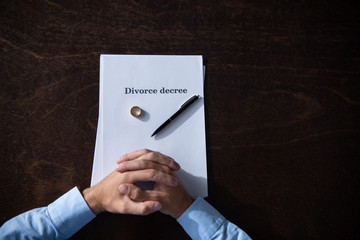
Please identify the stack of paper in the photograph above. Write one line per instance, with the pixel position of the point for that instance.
(158, 85)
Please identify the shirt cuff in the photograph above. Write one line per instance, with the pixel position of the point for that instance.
(70, 213)
(201, 220)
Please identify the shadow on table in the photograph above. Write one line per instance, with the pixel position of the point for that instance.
(251, 219)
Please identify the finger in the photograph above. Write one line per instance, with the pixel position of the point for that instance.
(131, 156)
(148, 155)
(150, 175)
(160, 159)
(142, 208)
(140, 164)
(135, 193)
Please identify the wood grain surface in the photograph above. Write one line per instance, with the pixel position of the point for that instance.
(282, 107)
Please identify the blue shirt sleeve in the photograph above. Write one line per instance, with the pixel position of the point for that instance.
(60, 220)
(202, 221)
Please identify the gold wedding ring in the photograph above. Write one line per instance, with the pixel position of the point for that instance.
(136, 111)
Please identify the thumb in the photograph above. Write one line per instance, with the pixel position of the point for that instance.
(133, 192)
(139, 202)
(143, 208)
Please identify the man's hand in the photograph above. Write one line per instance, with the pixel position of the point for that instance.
(105, 196)
(174, 199)
(144, 158)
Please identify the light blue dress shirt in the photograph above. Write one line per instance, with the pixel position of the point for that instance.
(60, 220)
(202, 221)
(69, 213)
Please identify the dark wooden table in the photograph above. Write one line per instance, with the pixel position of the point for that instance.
(282, 107)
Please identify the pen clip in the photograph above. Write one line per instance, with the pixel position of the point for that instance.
(190, 99)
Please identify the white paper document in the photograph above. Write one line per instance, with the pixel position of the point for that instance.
(159, 85)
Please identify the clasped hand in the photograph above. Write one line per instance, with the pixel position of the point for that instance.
(118, 193)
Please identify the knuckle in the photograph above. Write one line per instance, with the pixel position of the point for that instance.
(135, 194)
(152, 173)
(146, 164)
(123, 166)
(166, 170)
(144, 210)
(151, 155)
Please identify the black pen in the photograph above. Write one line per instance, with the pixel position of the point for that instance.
(182, 108)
